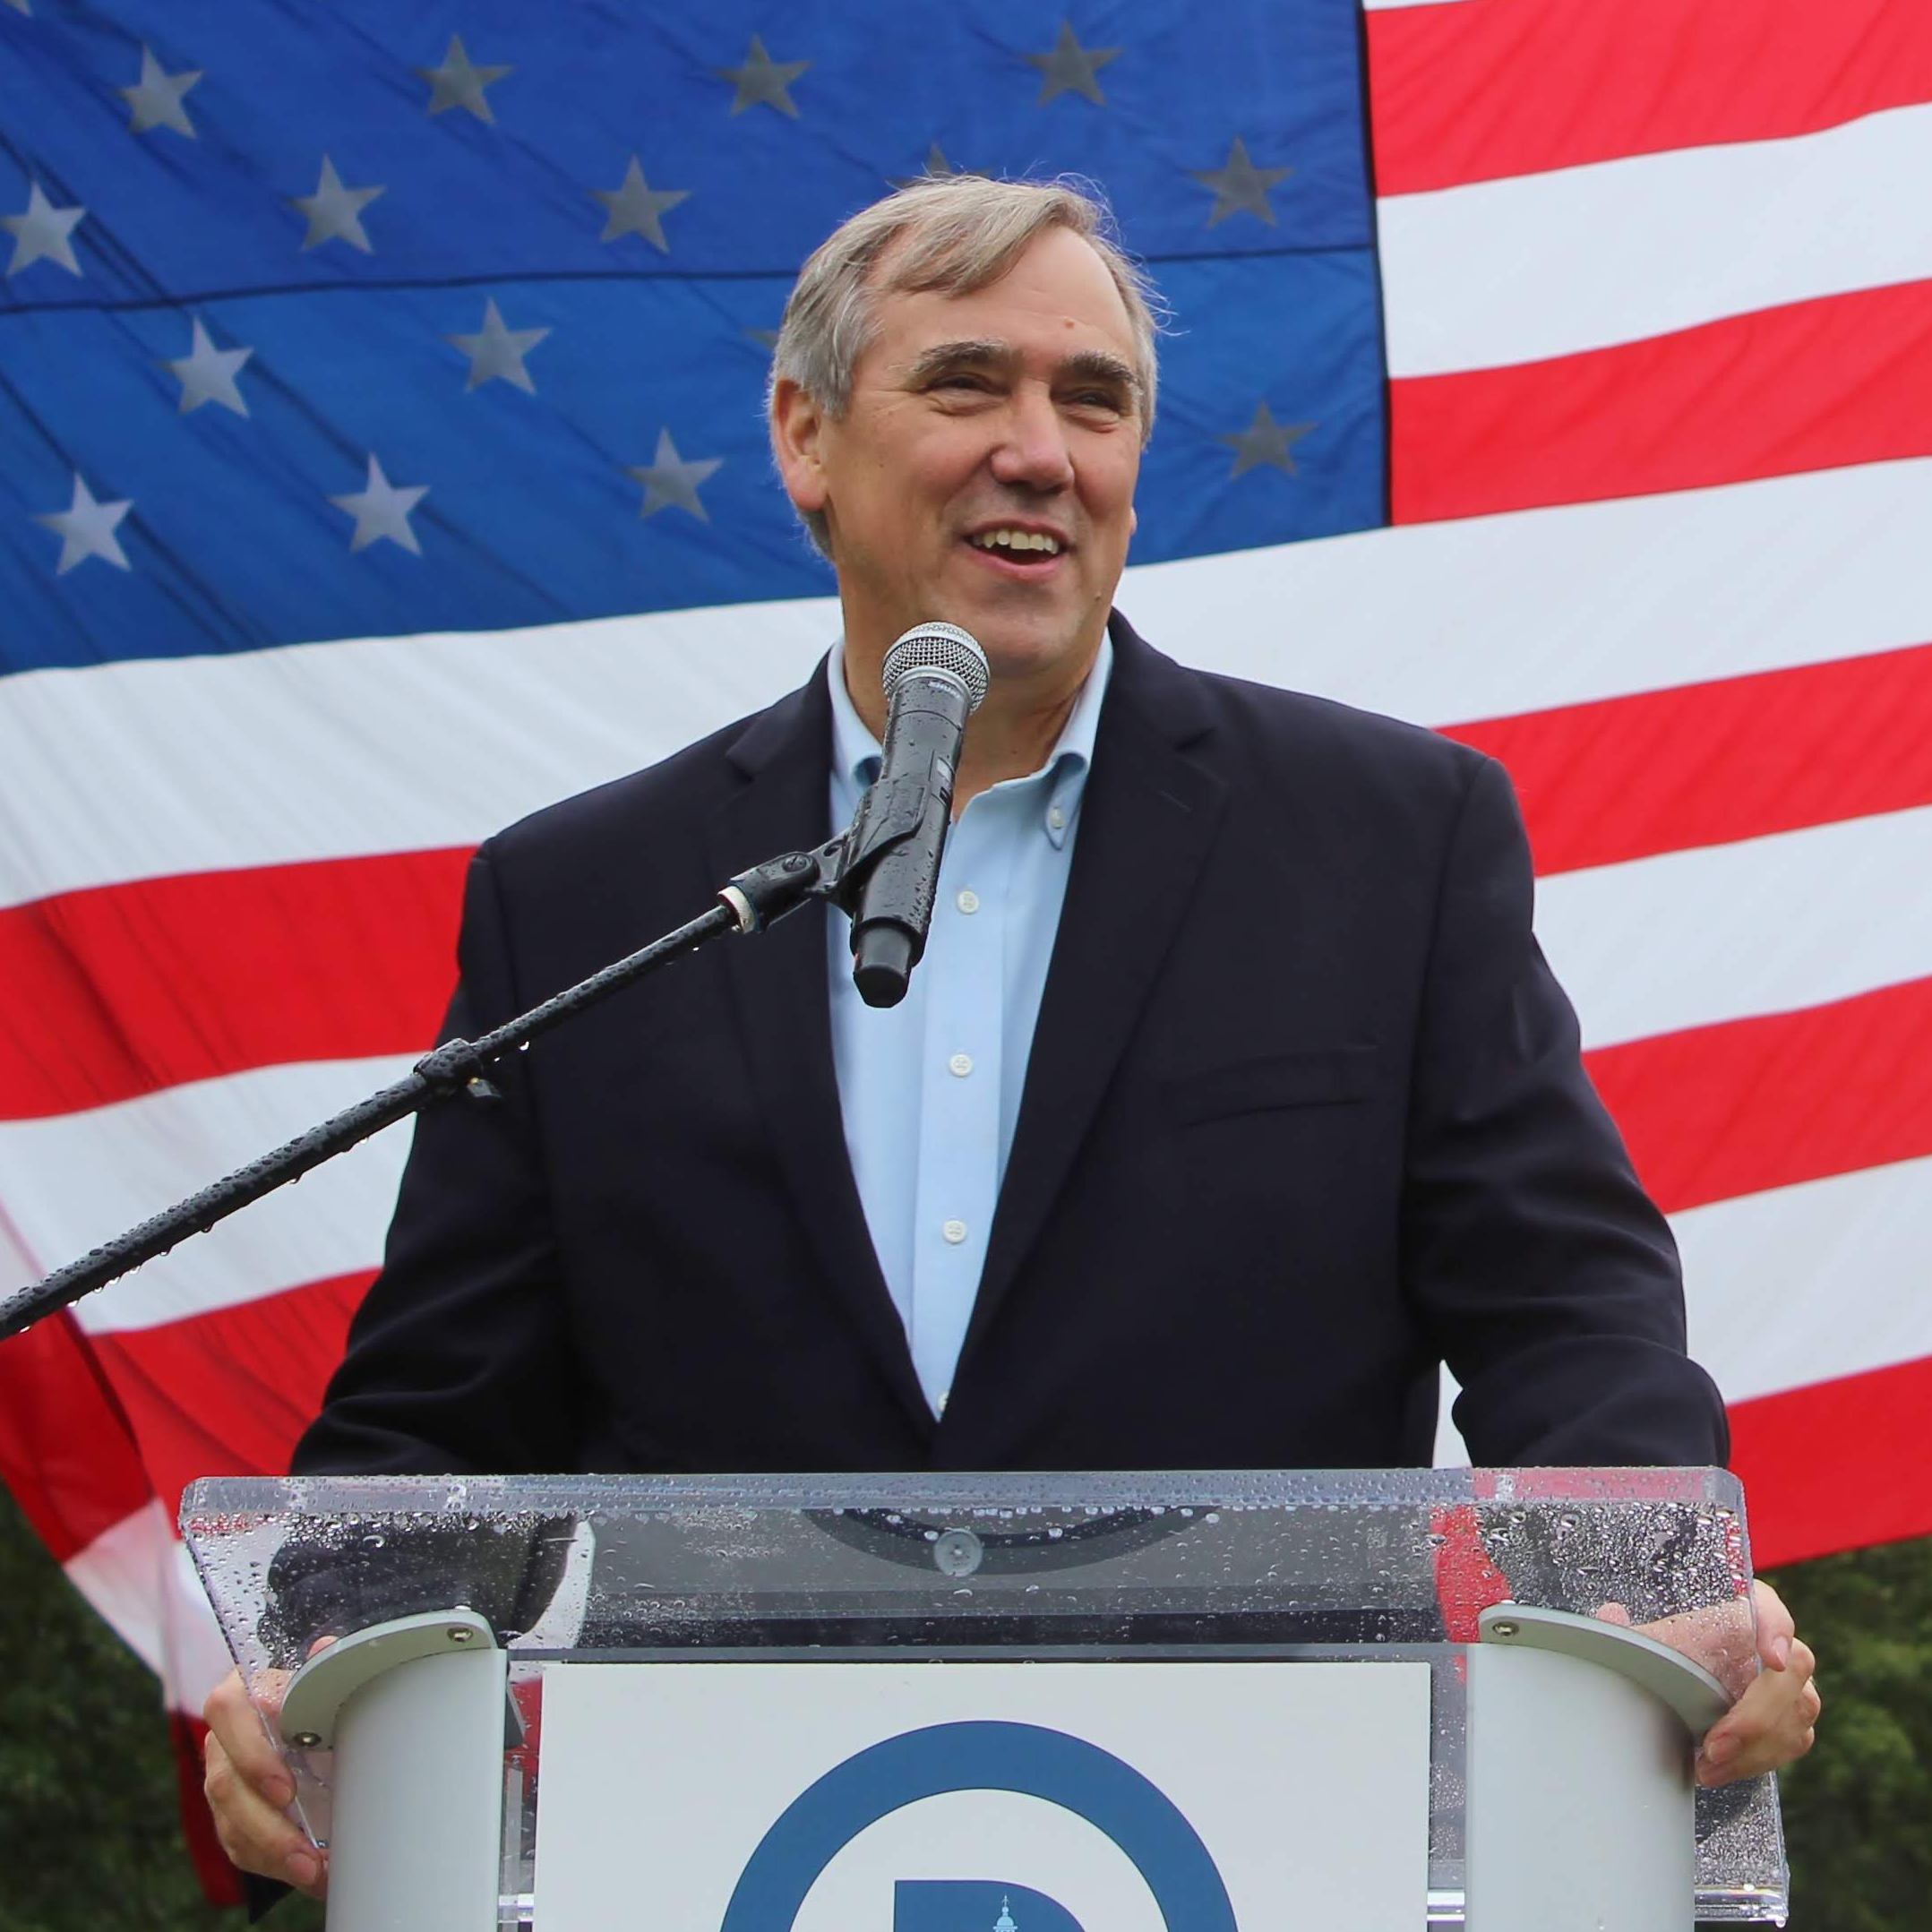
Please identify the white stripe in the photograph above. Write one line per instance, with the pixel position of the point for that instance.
(139, 1577)
(73, 1179)
(123, 1574)
(1515, 270)
(198, 1656)
(1806, 1284)
(1796, 1285)
(142, 769)
(18, 1262)
(156, 767)
(1762, 925)
(1494, 616)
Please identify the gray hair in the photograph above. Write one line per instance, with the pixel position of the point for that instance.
(948, 235)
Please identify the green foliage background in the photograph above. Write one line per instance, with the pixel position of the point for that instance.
(90, 1824)
(87, 1819)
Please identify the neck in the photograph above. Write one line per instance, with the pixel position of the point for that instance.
(1012, 734)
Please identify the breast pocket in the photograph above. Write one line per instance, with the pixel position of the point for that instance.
(1317, 1077)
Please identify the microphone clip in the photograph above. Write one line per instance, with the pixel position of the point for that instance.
(889, 813)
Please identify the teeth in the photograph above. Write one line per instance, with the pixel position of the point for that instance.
(1017, 540)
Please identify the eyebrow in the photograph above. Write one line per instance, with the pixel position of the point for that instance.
(1086, 364)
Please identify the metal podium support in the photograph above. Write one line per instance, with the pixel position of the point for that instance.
(413, 1708)
(1580, 1796)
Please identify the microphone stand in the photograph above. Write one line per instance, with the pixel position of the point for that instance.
(889, 814)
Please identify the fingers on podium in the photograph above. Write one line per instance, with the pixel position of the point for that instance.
(249, 1788)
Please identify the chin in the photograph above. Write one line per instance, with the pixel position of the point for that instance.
(1024, 648)
(1017, 618)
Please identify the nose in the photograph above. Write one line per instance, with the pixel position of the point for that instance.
(1033, 452)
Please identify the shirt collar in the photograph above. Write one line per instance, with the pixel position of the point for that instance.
(857, 753)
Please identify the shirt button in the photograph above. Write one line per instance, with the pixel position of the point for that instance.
(939, 1401)
(961, 1064)
(968, 901)
(1056, 820)
(954, 1231)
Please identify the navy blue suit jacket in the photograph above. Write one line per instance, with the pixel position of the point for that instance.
(1303, 1114)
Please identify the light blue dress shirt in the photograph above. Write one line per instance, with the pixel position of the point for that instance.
(931, 1089)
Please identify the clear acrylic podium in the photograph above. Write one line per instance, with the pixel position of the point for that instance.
(1580, 1629)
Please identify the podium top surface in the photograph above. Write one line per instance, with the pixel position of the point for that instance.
(1350, 1558)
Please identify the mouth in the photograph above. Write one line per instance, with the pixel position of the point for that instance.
(1019, 553)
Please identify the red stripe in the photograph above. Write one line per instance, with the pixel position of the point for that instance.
(1705, 764)
(1811, 385)
(1716, 1111)
(228, 1393)
(1451, 103)
(1836, 1465)
(222, 1884)
(123, 989)
(1467, 1582)
(147, 984)
(65, 1449)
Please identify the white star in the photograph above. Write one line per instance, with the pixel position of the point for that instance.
(1265, 440)
(382, 510)
(937, 167)
(335, 212)
(156, 97)
(1241, 188)
(497, 351)
(459, 85)
(763, 80)
(1069, 68)
(636, 208)
(86, 529)
(671, 483)
(207, 374)
(43, 230)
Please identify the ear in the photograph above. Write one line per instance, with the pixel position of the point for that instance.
(797, 427)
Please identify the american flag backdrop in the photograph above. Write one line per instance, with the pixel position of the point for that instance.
(382, 458)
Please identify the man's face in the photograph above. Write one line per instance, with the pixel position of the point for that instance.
(1012, 409)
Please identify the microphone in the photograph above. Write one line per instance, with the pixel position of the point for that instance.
(934, 679)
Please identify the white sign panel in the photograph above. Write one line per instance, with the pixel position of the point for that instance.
(1241, 1797)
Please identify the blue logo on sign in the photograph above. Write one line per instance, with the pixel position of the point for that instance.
(1028, 1759)
(966, 1905)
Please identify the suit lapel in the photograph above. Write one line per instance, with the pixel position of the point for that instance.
(779, 994)
(1147, 819)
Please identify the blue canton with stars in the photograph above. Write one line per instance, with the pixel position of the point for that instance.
(355, 320)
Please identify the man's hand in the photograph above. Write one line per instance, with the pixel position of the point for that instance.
(249, 1789)
(1774, 1722)
(1771, 1720)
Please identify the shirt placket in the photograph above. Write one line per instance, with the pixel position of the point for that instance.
(959, 1125)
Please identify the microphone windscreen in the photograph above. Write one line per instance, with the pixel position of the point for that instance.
(937, 647)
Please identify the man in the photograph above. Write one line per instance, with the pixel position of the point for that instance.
(1233, 1094)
